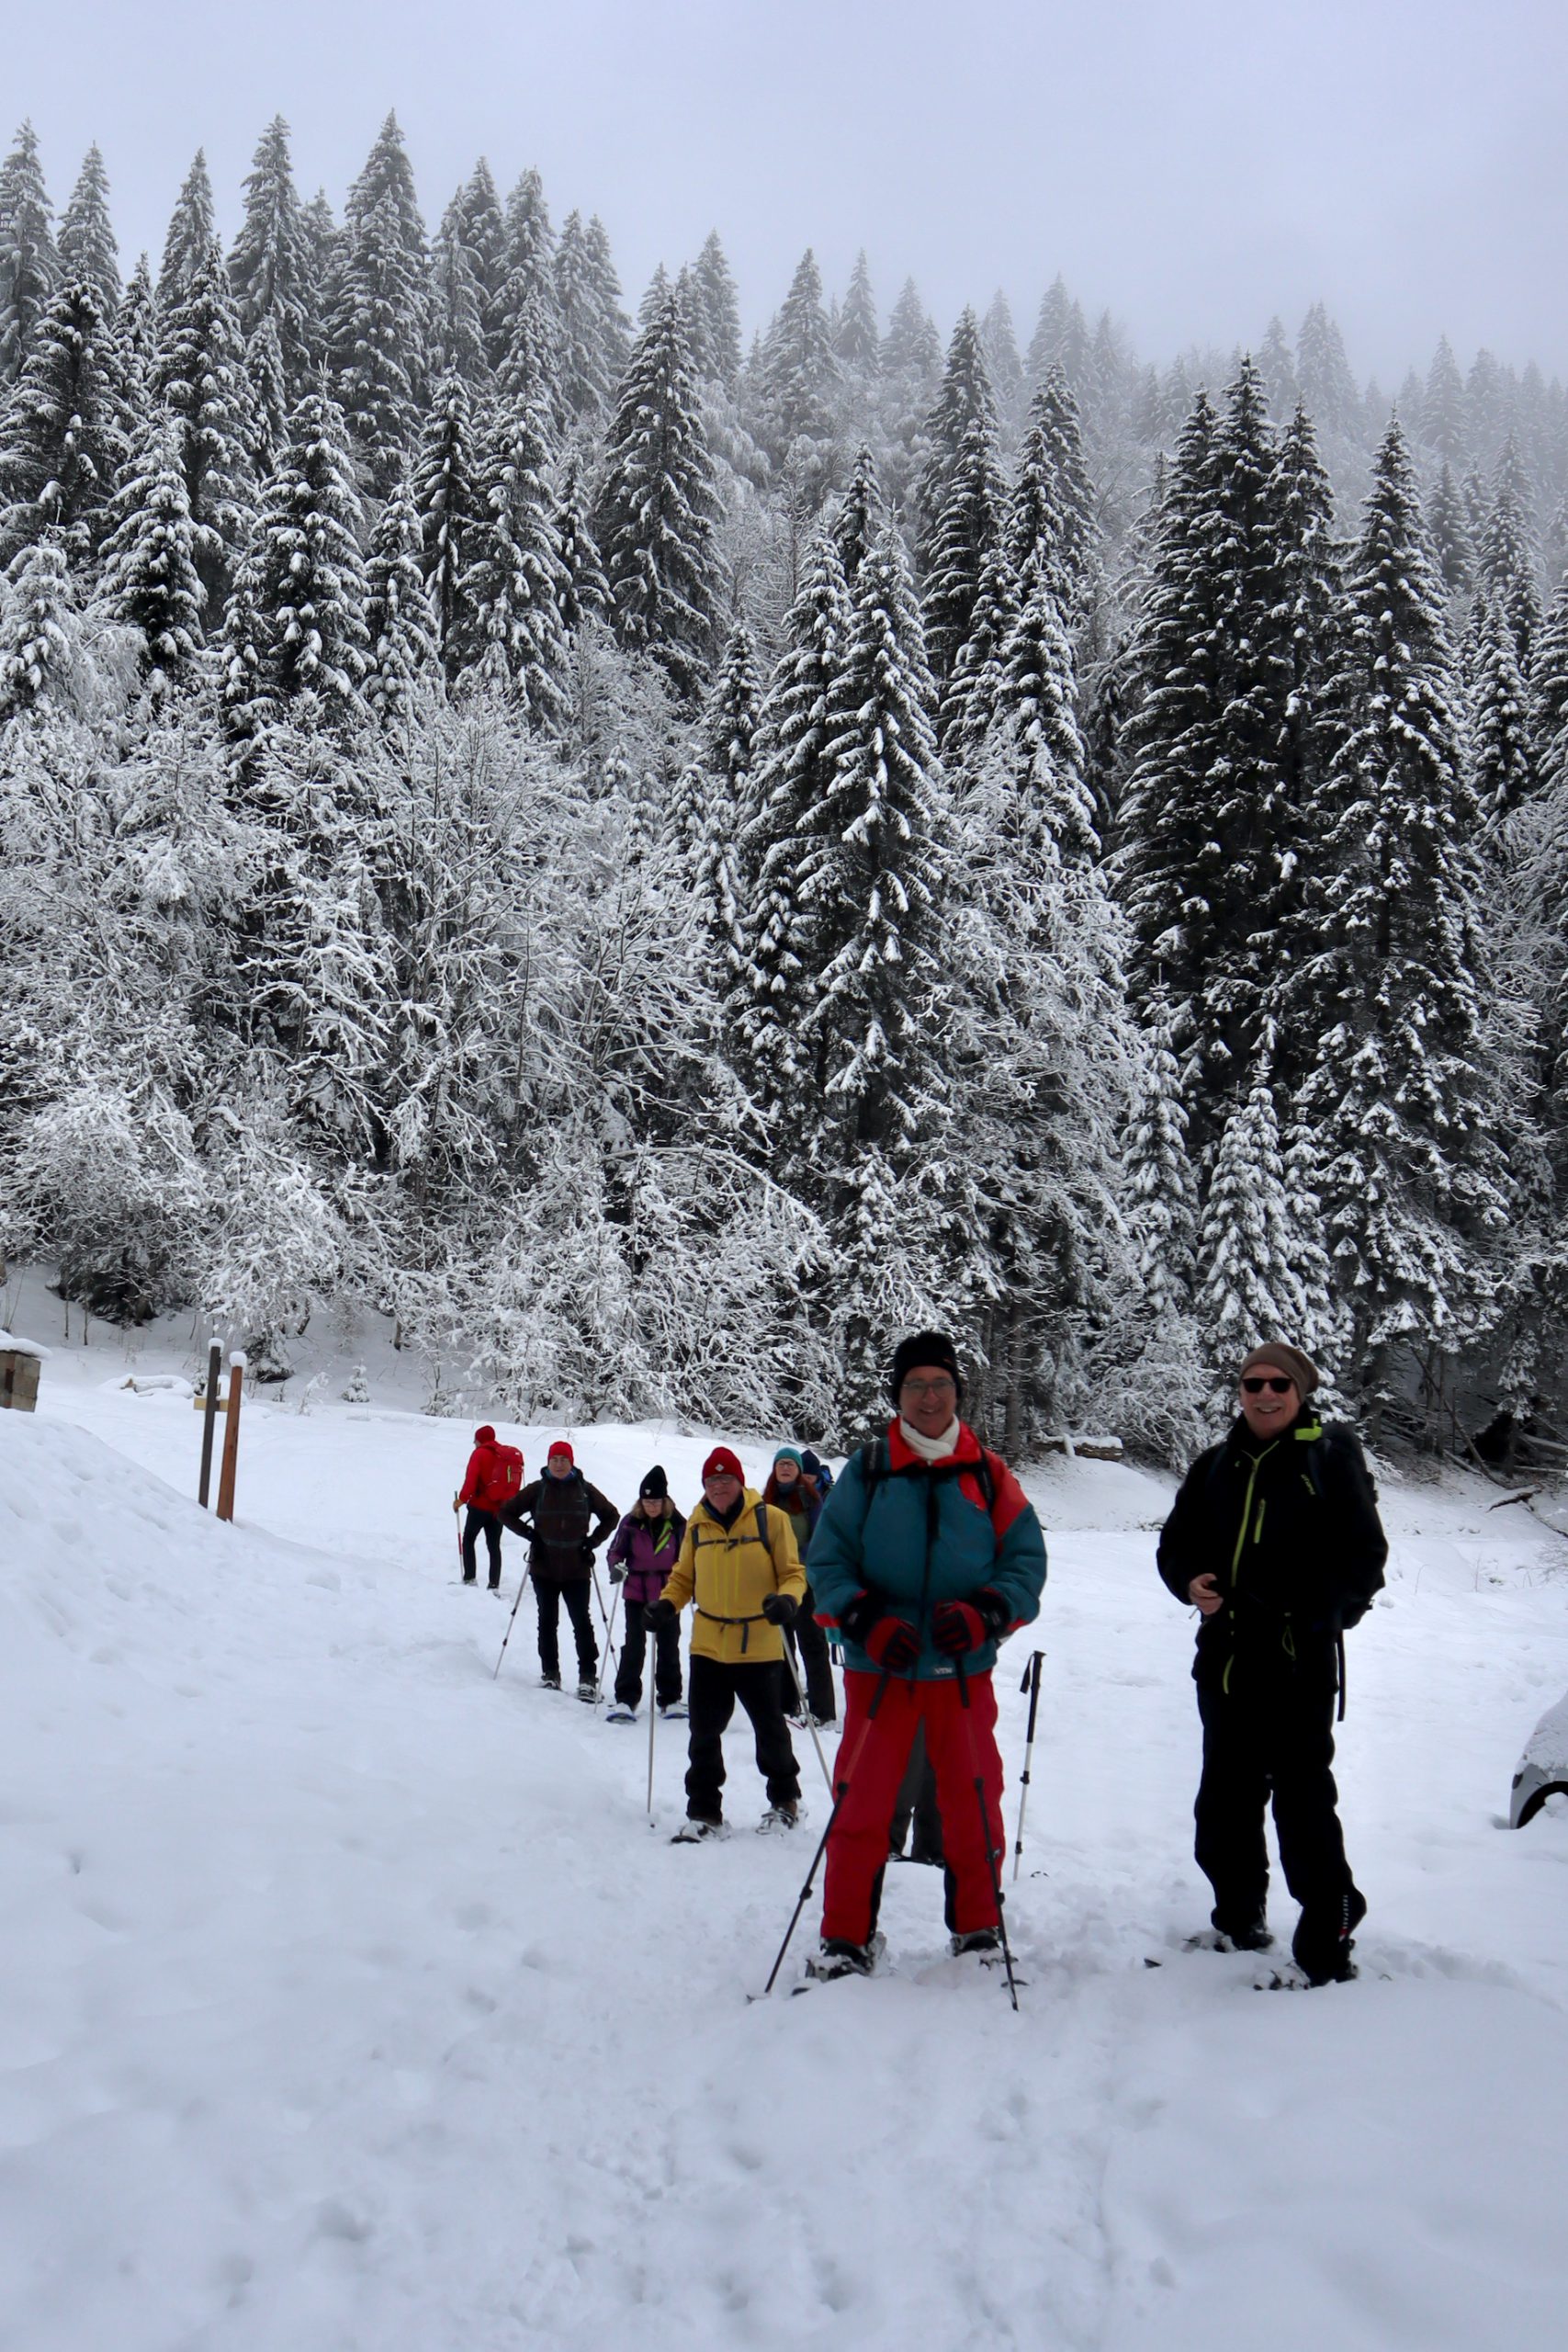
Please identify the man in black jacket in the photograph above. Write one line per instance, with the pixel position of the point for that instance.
(554, 1514)
(1275, 1540)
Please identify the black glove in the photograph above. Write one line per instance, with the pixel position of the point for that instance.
(617, 1572)
(857, 1617)
(660, 1614)
(960, 1626)
(779, 1609)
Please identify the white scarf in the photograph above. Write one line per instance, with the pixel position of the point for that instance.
(931, 1449)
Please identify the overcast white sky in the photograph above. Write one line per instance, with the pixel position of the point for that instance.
(1193, 164)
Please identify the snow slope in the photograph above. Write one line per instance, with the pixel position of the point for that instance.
(349, 2000)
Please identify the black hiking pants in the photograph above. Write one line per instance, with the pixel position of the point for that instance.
(634, 1650)
(488, 1524)
(1271, 1736)
(715, 1688)
(806, 1638)
(577, 1593)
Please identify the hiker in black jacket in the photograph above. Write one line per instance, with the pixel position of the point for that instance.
(565, 1520)
(1276, 1541)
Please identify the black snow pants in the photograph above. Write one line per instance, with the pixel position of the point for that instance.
(810, 1642)
(1272, 1735)
(634, 1650)
(715, 1688)
(577, 1593)
(917, 1801)
(478, 1523)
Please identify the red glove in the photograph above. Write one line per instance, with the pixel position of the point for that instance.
(960, 1626)
(891, 1645)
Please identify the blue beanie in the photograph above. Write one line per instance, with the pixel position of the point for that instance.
(788, 1453)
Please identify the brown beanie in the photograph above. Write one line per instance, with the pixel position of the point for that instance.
(1288, 1360)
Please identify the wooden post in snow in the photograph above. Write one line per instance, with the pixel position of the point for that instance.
(210, 1417)
(231, 1438)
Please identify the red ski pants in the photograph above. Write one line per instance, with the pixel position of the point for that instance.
(961, 1742)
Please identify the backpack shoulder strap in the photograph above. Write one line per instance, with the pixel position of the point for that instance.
(763, 1527)
(873, 1460)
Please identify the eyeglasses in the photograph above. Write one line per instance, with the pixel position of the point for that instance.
(920, 1389)
(1255, 1387)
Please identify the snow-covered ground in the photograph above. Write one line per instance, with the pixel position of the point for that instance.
(350, 2001)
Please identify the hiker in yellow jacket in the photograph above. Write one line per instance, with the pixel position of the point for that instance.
(739, 1564)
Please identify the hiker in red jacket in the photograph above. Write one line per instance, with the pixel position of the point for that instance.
(494, 1476)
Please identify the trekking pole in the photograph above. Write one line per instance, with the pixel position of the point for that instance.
(1032, 1684)
(513, 1618)
(458, 1525)
(609, 1639)
(807, 1716)
(991, 1851)
(652, 1719)
(804, 1896)
(609, 1645)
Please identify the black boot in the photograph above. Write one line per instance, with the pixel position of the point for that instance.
(1325, 1938)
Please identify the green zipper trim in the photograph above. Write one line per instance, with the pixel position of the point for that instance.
(1258, 1530)
(1225, 1676)
(1257, 1462)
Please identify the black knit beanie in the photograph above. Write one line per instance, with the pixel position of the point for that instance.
(925, 1347)
(655, 1487)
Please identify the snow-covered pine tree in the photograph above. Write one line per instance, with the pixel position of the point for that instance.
(1447, 525)
(972, 694)
(398, 622)
(516, 584)
(657, 506)
(1022, 719)
(63, 433)
(1060, 339)
(1251, 1248)
(768, 1007)
(591, 326)
(88, 252)
(585, 592)
(857, 340)
(135, 334)
(381, 324)
(35, 644)
(877, 876)
(966, 533)
(1050, 511)
(716, 802)
(445, 486)
(1548, 693)
(310, 582)
(1444, 425)
(192, 228)
(151, 580)
(1276, 364)
(966, 399)
(1401, 1096)
(323, 247)
(799, 372)
(30, 262)
(1328, 389)
(721, 305)
(457, 301)
(247, 705)
(270, 268)
(483, 232)
(200, 375)
(528, 278)
(615, 327)
(861, 515)
(1003, 358)
(1502, 766)
(1509, 557)
(269, 395)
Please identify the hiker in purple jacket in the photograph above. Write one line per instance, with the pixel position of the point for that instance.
(642, 1552)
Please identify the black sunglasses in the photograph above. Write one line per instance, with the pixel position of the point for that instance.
(1255, 1386)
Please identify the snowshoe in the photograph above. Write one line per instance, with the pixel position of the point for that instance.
(588, 1692)
(619, 1712)
(676, 1711)
(1250, 1935)
(550, 1681)
(838, 1959)
(696, 1833)
(985, 1943)
(779, 1817)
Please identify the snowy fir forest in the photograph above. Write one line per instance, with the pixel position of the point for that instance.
(658, 860)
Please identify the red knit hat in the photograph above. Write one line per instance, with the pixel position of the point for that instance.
(721, 1461)
(485, 1436)
(558, 1446)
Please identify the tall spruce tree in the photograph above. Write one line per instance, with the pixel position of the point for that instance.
(310, 588)
(585, 592)
(1003, 358)
(270, 268)
(398, 623)
(444, 487)
(516, 584)
(721, 304)
(457, 301)
(380, 324)
(966, 399)
(857, 340)
(799, 372)
(88, 252)
(63, 434)
(35, 637)
(966, 533)
(151, 580)
(1503, 770)
(1400, 1093)
(657, 507)
(193, 225)
(1051, 512)
(1508, 556)
(200, 375)
(30, 262)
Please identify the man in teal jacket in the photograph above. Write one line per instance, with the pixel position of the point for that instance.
(926, 1556)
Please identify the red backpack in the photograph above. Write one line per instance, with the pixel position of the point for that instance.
(506, 1478)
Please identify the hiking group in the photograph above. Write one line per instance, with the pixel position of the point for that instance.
(920, 1558)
